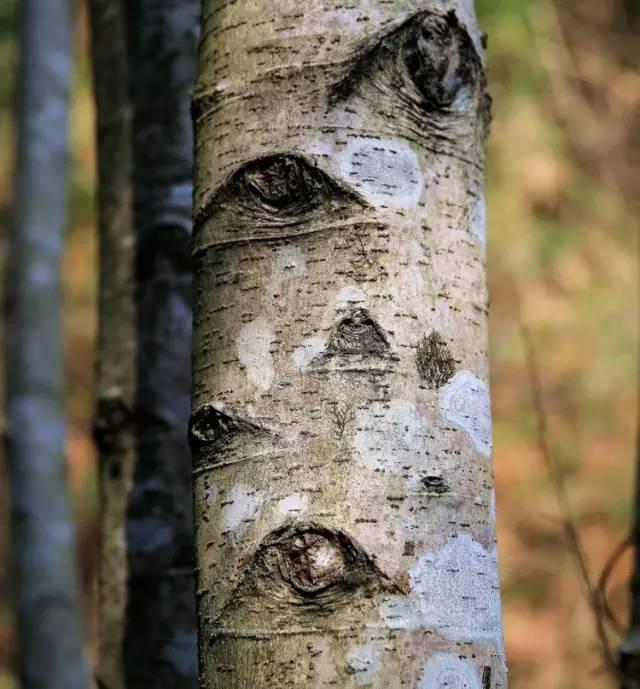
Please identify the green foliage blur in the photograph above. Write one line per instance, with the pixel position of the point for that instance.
(563, 169)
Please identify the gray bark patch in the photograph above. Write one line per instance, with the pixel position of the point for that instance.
(464, 401)
(448, 671)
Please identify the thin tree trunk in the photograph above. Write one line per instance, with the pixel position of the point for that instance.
(144, 52)
(46, 589)
(341, 427)
(114, 423)
(161, 644)
(630, 646)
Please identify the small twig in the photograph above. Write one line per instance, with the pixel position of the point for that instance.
(568, 521)
(605, 575)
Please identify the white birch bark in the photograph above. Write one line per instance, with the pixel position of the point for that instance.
(341, 427)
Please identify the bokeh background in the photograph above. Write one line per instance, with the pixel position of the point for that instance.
(563, 196)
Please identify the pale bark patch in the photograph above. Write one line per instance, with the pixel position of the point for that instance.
(449, 671)
(293, 504)
(253, 345)
(478, 221)
(304, 354)
(241, 509)
(363, 662)
(464, 401)
(350, 295)
(385, 172)
(463, 574)
(390, 436)
(289, 263)
(401, 612)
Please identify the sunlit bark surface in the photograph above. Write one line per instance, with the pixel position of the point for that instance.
(341, 424)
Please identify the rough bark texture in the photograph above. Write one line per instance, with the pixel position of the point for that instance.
(46, 593)
(114, 420)
(160, 644)
(341, 426)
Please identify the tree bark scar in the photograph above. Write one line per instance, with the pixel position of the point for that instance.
(213, 426)
(280, 182)
(441, 59)
(430, 53)
(435, 484)
(486, 677)
(308, 565)
(276, 191)
(358, 333)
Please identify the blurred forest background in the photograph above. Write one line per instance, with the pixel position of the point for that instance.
(563, 171)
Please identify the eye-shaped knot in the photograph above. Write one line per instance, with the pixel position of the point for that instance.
(440, 58)
(314, 562)
(281, 182)
(306, 564)
(358, 333)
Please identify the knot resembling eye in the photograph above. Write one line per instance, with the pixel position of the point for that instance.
(218, 434)
(313, 563)
(307, 564)
(358, 333)
(211, 424)
(265, 195)
(422, 75)
(282, 182)
(440, 57)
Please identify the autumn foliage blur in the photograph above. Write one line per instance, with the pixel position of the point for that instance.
(563, 174)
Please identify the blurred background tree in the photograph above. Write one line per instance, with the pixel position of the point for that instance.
(563, 171)
(44, 586)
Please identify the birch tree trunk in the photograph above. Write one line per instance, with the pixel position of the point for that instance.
(114, 417)
(46, 592)
(161, 643)
(341, 427)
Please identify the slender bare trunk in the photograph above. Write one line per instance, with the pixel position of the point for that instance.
(46, 591)
(145, 60)
(341, 424)
(114, 421)
(630, 646)
(161, 644)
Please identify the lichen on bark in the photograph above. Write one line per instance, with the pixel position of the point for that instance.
(434, 361)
